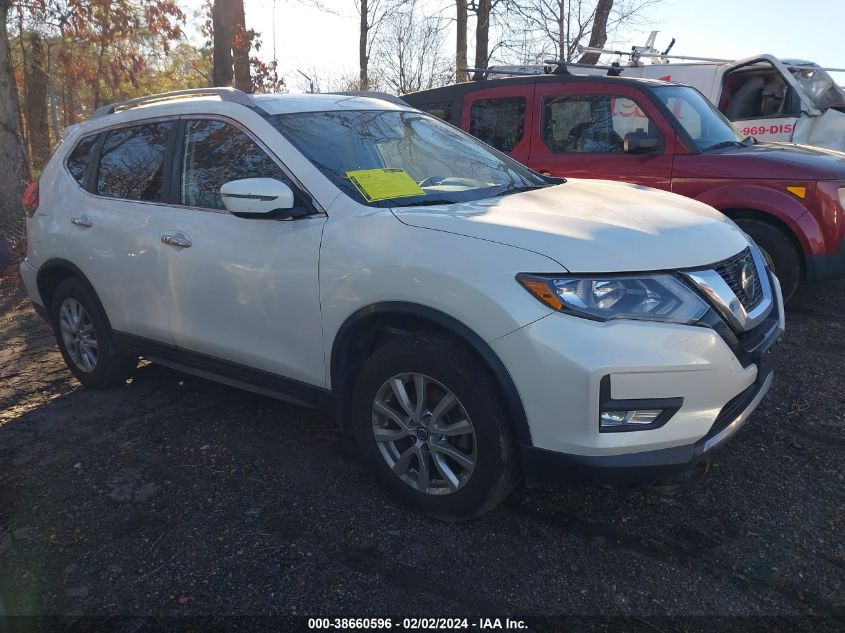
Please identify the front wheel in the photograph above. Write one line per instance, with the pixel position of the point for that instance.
(427, 418)
(778, 250)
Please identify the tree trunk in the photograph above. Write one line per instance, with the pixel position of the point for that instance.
(54, 97)
(14, 172)
(240, 47)
(482, 35)
(35, 106)
(461, 41)
(222, 73)
(363, 58)
(598, 35)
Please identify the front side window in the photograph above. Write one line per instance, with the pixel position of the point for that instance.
(498, 122)
(758, 91)
(132, 162)
(77, 162)
(707, 127)
(215, 153)
(591, 123)
(410, 158)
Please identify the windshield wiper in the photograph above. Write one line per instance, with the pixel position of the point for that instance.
(425, 202)
(511, 190)
(743, 143)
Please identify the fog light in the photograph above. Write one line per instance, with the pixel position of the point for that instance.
(630, 419)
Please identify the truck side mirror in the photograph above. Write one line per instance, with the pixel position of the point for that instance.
(640, 142)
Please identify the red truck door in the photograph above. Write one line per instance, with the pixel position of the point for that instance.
(579, 131)
(501, 117)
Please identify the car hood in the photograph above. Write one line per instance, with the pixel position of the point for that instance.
(782, 161)
(593, 226)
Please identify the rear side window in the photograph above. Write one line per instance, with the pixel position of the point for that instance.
(77, 162)
(498, 122)
(442, 110)
(132, 162)
(215, 153)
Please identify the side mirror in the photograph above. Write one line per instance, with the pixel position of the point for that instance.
(640, 142)
(255, 197)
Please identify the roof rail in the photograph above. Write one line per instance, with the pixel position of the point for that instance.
(232, 95)
(372, 94)
(514, 71)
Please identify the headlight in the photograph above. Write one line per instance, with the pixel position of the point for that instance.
(658, 297)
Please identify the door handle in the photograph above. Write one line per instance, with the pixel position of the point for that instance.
(82, 220)
(177, 239)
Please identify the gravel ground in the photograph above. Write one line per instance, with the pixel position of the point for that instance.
(176, 496)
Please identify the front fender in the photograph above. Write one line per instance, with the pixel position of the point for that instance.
(781, 205)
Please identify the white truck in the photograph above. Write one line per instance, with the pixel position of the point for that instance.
(771, 99)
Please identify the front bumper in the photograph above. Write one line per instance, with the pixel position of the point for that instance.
(719, 379)
(548, 467)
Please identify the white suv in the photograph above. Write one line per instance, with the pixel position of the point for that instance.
(469, 320)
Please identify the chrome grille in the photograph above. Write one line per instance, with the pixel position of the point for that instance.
(740, 273)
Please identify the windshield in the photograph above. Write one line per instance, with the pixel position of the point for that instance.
(390, 158)
(702, 121)
(821, 87)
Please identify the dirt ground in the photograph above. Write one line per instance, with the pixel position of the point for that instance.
(178, 496)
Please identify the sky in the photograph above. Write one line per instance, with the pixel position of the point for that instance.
(324, 44)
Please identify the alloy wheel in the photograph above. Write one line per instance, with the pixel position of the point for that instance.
(424, 434)
(78, 335)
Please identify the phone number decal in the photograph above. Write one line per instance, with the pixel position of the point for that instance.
(755, 130)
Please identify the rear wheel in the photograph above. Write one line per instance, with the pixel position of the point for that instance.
(85, 338)
(779, 251)
(427, 418)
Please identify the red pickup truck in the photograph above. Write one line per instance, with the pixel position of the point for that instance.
(790, 199)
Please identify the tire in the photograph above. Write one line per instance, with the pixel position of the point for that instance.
(779, 250)
(99, 365)
(446, 367)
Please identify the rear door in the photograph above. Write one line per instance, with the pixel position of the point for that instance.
(114, 229)
(580, 130)
(501, 117)
(242, 290)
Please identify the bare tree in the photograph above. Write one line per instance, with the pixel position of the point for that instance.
(364, 42)
(598, 34)
(461, 40)
(556, 28)
(483, 10)
(35, 105)
(223, 73)
(371, 14)
(410, 53)
(240, 42)
(231, 45)
(14, 171)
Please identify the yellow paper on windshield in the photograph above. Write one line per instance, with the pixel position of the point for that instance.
(381, 184)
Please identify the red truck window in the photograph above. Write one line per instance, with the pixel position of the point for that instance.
(498, 122)
(591, 123)
(442, 110)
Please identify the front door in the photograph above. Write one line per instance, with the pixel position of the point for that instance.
(242, 290)
(760, 101)
(580, 132)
